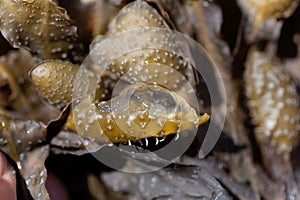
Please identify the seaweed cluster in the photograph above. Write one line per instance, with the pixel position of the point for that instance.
(85, 76)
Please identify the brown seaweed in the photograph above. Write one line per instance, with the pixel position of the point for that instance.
(39, 25)
(268, 85)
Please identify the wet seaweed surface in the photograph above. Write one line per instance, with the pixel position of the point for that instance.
(55, 110)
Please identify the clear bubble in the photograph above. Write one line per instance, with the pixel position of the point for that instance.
(166, 60)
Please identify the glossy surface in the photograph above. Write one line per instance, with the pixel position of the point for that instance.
(39, 25)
